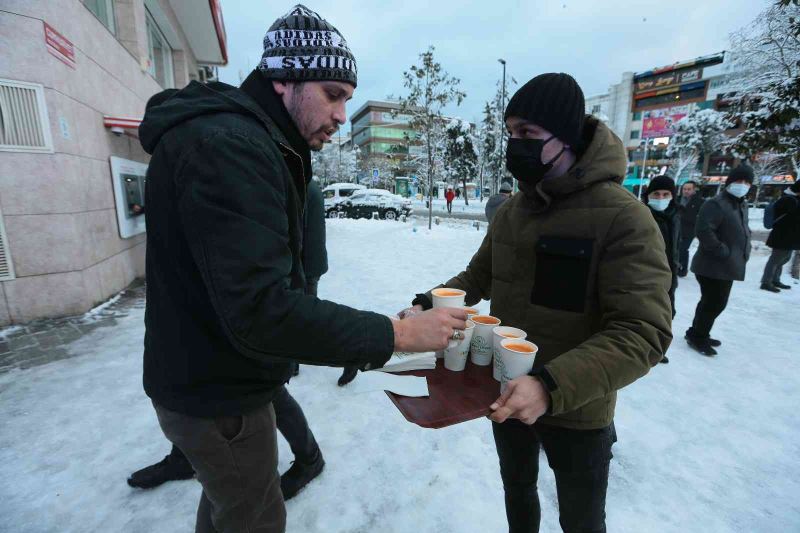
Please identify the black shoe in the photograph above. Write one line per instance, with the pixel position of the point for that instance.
(781, 285)
(299, 475)
(769, 287)
(714, 342)
(701, 345)
(664, 360)
(682, 273)
(170, 469)
(296, 370)
(348, 375)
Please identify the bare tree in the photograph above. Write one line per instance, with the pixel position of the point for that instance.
(430, 90)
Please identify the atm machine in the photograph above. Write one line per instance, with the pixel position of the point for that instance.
(129, 179)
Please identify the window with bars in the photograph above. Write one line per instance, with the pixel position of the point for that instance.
(6, 267)
(23, 118)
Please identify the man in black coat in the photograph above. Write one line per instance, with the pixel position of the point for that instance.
(227, 315)
(724, 234)
(660, 199)
(783, 239)
(690, 202)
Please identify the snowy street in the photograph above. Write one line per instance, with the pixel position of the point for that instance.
(706, 445)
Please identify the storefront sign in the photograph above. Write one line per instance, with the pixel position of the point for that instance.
(668, 79)
(59, 46)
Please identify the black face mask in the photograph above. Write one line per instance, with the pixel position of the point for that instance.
(524, 159)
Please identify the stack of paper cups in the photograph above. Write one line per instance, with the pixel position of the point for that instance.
(444, 297)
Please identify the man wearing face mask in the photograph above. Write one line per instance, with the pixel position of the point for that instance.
(724, 235)
(659, 199)
(578, 263)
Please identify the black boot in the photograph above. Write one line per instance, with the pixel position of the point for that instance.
(701, 345)
(780, 285)
(714, 342)
(348, 375)
(172, 468)
(299, 475)
(296, 370)
(769, 287)
(664, 360)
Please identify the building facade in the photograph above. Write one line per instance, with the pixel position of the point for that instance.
(72, 95)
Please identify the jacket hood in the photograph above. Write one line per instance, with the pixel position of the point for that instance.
(604, 159)
(171, 108)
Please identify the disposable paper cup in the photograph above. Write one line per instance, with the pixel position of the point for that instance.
(444, 297)
(455, 358)
(471, 312)
(481, 348)
(498, 334)
(516, 359)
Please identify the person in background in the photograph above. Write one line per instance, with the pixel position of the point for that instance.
(660, 199)
(783, 239)
(690, 202)
(448, 196)
(724, 234)
(495, 201)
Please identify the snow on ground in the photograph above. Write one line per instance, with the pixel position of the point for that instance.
(708, 445)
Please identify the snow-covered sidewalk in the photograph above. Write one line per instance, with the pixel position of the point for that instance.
(706, 445)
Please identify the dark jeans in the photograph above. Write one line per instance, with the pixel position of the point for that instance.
(292, 424)
(774, 268)
(714, 295)
(449, 207)
(235, 459)
(579, 459)
(683, 253)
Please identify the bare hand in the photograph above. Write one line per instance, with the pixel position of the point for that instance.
(525, 399)
(410, 311)
(429, 330)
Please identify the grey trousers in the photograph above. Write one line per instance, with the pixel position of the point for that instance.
(772, 272)
(236, 461)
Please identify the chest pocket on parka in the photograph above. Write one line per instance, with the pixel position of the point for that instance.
(562, 273)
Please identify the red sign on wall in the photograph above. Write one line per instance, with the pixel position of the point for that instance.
(59, 46)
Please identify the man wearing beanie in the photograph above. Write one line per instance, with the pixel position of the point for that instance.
(724, 235)
(783, 239)
(227, 311)
(660, 198)
(578, 263)
(495, 201)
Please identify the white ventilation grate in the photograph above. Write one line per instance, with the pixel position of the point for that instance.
(6, 267)
(23, 118)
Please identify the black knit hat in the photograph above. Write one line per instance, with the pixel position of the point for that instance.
(302, 46)
(742, 172)
(662, 183)
(554, 102)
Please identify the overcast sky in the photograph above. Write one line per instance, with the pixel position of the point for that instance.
(593, 40)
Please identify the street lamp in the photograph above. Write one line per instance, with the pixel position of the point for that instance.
(646, 143)
(502, 109)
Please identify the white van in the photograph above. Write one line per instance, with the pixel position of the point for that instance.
(336, 192)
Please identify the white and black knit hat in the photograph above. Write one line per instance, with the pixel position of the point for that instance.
(302, 46)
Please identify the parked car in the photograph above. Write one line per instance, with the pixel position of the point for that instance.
(333, 194)
(363, 203)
